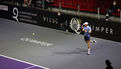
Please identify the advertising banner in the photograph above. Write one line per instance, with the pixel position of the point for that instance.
(100, 28)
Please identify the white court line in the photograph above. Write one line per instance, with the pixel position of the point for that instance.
(23, 61)
(29, 67)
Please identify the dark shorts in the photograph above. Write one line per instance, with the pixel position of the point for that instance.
(86, 38)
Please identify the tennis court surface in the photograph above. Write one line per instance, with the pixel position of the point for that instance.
(52, 49)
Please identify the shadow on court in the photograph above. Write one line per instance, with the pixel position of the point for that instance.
(71, 52)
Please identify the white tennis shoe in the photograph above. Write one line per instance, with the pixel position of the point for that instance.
(88, 52)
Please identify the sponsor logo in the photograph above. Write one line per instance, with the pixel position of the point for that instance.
(50, 20)
(3, 7)
(75, 24)
(42, 43)
(15, 13)
(102, 29)
(24, 16)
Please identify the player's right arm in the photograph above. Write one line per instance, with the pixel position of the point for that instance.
(82, 28)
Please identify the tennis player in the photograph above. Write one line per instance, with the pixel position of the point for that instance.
(87, 31)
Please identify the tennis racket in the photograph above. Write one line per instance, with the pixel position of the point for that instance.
(75, 25)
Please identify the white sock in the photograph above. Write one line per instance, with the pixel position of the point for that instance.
(88, 50)
(94, 41)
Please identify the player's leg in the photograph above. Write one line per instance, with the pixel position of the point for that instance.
(93, 41)
(60, 26)
(107, 15)
(87, 40)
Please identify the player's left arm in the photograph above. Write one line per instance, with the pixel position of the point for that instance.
(89, 31)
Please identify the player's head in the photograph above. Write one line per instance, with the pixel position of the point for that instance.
(114, 2)
(59, 13)
(85, 24)
(108, 62)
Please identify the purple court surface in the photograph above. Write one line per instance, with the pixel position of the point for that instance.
(11, 63)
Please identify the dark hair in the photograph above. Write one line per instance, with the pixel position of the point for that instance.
(59, 12)
(108, 62)
(115, 1)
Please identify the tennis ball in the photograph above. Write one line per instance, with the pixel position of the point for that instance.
(33, 34)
